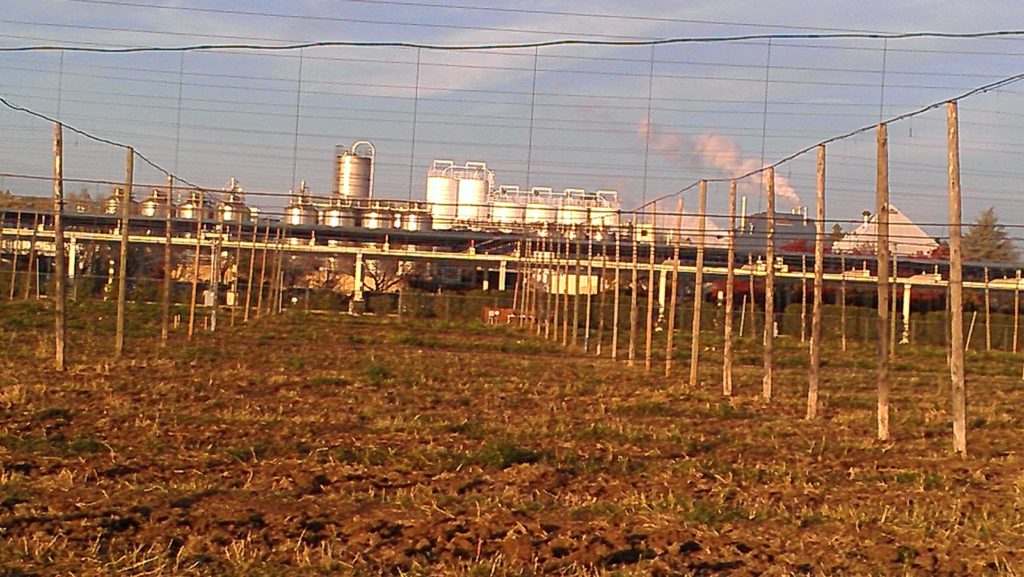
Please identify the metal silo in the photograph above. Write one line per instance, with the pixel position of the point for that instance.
(540, 207)
(605, 211)
(339, 213)
(442, 194)
(378, 217)
(234, 210)
(300, 210)
(353, 171)
(508, 211)
(192, 210)
(572, 210)
(416, 220)
(474, 186)
(156, 205)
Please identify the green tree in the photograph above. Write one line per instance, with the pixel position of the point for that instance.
(987, 241)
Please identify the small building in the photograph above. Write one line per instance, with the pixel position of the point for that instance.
(906, 239)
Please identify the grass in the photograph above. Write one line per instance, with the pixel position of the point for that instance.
(425, 447)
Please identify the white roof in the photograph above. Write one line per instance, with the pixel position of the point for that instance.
(905, 237)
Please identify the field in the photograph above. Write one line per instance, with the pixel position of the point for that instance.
(330, 444)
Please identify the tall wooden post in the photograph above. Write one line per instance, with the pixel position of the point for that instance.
(803, 298)
(956, 368)
(651, 276)
(263, 271)
(122, 266)
(165, 296)
(590, 287)
(819, 288)
(730, 280)
(60, 298)
(565, 294)
(698, 286)
(616, 296)
(988, 313)
(200, 213)
(633, 317)
(31, 257)
(894, 282)
(576, 297)
(842, 302)
(516, 304)
(252, 268)
(882, 252)
(603, 299)
(672, 301)
(1016, 311)
(549, 257)
(279, 274)
(750, 291)
(14, 256)
(767, 382)
(238, 270)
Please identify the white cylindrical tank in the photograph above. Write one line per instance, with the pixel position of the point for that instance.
(604, 216)
(472, 201)
(338, 216)
(571, 214)
(442, 194)
(507, 212)
(378, 218)
(353, 172)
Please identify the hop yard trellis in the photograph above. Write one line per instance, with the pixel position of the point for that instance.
(563, 270)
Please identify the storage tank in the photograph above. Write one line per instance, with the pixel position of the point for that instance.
(113, 204)
(442, 194)
(339, 215)
(416, 220)
(156, 205)
(191, 209)
(353, 170)
(300, 210)
(234, 210)
(377, 218)
(604, 216)
(571, 210)
(540, 207)
(474, 186)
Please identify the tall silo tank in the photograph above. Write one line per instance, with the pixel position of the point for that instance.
(335, 216)
(442, 194)
(604, 216)
(353, 174)
(472, 200)
(507, 212)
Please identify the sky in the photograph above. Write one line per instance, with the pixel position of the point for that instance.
(644, 122)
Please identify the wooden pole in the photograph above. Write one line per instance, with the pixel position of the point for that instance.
(14, 255)
(31, 256)
(616, 296)
(670, 334)
(819, 289)
(516, 304)
(730, 281)
(633, 317)
(238, 270)
(892, 305)
(882, 253)
(576, 297)
(1016, 311)
(803, 298)
(959, 395)
(590, 287)
(278, 274)
(698, 286)
(263, 271)
(743, 313)
(60, 298)
(122, 265)
(201, 209)
(252, 267)
(767, 383)
(988, 313)
(565, 293)
(750, 291)
(603, 298)
(165, 296)
(842, 302)
(549, 297)
(651, 280)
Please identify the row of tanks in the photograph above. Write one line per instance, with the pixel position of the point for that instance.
(464, 196)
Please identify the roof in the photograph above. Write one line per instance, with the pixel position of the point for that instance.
(905, 237)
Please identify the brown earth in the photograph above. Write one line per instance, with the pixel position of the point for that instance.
(339, 445)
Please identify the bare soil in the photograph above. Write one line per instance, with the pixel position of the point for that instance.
(325, 445)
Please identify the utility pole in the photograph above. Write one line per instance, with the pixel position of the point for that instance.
(60, 299)
(956, 365)
(165, 297)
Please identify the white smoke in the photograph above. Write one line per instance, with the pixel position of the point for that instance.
(717, 152)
